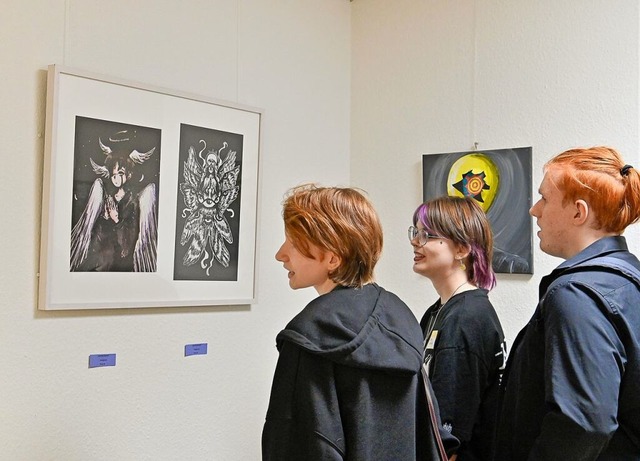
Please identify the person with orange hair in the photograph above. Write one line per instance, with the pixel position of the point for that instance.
(571, 388)
(348, 382)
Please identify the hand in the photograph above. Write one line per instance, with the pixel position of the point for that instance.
(111, 209)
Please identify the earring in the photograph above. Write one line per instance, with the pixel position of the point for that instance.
(462, 265)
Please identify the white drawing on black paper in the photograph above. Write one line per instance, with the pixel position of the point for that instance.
(208, 190)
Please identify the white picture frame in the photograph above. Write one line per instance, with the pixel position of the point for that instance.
(186, 194)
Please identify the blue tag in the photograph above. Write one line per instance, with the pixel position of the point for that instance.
(195, 349)
(102, 360)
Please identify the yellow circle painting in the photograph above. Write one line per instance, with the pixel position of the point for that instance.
(474, 175)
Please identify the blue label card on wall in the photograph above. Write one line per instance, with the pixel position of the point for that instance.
(102, 360)
(195, 349)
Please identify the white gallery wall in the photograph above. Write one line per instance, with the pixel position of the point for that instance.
(439, 76)
(289, 58)
(352, 93)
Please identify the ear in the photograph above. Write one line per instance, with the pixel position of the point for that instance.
(581, 212)
(462, 251)
(333, 260)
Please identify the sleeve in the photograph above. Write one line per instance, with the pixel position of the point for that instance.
(304, 413)
(449, 441)
(584, 362)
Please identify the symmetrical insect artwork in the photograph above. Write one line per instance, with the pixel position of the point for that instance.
(208, 211)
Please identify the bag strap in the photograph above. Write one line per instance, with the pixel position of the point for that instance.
(609, 264)
(432, 415)
(624, 268)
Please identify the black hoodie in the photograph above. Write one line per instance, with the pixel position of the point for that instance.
(346, 382)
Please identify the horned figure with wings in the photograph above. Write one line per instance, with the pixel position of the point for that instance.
(117, 230)
(209, 188)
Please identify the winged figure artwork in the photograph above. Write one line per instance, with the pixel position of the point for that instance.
(117, 231)
(208, 190)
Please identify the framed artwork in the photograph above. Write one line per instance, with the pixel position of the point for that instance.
(150, 196)
(500, 181)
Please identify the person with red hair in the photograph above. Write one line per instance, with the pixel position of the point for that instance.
(348, 385)
(571, 388)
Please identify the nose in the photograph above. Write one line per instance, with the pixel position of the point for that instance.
(533, 210)
(412, 240)
(280, 253)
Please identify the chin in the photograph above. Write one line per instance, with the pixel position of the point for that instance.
(418, 271)
(550, 251)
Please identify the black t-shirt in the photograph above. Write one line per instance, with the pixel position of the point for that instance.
(466, 344)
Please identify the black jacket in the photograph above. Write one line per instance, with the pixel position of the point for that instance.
(346, 382)
(572, 383)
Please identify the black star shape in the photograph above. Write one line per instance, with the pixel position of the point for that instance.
(472, 185)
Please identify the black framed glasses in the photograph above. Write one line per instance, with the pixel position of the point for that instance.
(420, 235)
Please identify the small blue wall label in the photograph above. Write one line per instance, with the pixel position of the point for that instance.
(102, 360)
(195, 349)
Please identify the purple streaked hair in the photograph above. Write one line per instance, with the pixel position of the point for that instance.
(461, 220)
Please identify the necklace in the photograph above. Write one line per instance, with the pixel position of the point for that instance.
(456, 291)
(429, 337)
(442, 305)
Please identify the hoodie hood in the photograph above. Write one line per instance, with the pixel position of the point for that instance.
(366, 327)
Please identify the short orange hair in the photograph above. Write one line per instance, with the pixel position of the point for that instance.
(340, 220)
(599, 176)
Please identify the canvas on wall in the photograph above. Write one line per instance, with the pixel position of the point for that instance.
(500, 181)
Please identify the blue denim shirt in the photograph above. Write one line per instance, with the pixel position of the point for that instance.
(571, 389)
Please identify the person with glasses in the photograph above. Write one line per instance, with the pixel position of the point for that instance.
(348, 381)
(464, 350)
